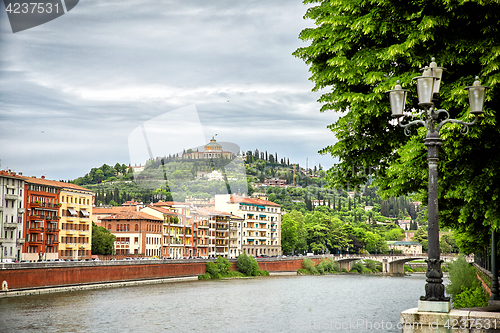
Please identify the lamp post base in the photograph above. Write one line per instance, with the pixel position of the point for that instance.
(434, 306)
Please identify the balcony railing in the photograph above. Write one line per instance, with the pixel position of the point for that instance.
(12, 197)
(11, 225)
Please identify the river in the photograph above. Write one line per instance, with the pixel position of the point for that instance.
(330, 303)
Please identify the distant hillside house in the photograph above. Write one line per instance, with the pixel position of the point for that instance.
(136, 168)
(406, 247)
(212, 175)
(275, 182)
(211, 150)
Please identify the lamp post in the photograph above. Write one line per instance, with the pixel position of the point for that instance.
(427, 86)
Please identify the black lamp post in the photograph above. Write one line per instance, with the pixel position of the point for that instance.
(427, 85)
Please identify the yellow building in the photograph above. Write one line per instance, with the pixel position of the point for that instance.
(75, 236)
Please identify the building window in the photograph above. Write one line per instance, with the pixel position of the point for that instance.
(136, 227)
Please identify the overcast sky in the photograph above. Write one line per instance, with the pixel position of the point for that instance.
(74, 89)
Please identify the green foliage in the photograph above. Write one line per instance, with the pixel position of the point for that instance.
(462, 276)
(218, 269)
(103, 241)
(373, 266)
(288, 234)
(447, 244)
(213, 270)
(205, 276)
(232, 274)
(358, 49)
(470, 298)
(262, 273)
(247, 264)
(421, 236)
(328, 266)
(223, 265)
(357, 267)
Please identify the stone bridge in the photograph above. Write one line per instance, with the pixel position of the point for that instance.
(391, 264)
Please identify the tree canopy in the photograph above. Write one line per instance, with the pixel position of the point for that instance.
(103, 241)
(357, 52)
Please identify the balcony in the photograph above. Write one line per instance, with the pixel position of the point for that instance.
(35, 242)
(35, 230)
(52, 230)
(10, 225)
(273, 230)
(19, 210)
(48, 206)
(20, 241)
(12, 197)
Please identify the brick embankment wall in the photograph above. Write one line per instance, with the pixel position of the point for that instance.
(98, 273)
(37, 275)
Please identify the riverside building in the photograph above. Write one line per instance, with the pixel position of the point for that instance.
(261, 231)
(136, 232)
(11, 216)
(179, 230)
(42, 219)
(76, 223)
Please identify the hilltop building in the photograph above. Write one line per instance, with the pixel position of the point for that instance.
(211, 150)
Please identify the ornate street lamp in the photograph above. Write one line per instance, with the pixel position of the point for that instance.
(427, 86)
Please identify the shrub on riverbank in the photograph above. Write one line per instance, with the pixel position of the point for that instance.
(308, 265)
(330, 266)
(324, 266)
(247, 266)
(219, 269)
(464, 287)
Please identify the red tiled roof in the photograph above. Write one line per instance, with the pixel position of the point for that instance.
(252, 201)
(131, 203)
(131, 215)
(42, 181)
(111, 210)
(10, 174)
(163, 210)
(202, 211)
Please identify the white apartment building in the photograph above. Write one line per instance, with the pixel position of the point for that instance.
(261, 231)
(11, 216)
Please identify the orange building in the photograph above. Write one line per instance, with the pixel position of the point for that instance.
(42, 219)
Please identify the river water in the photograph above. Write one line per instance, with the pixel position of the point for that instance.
(330, 303)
